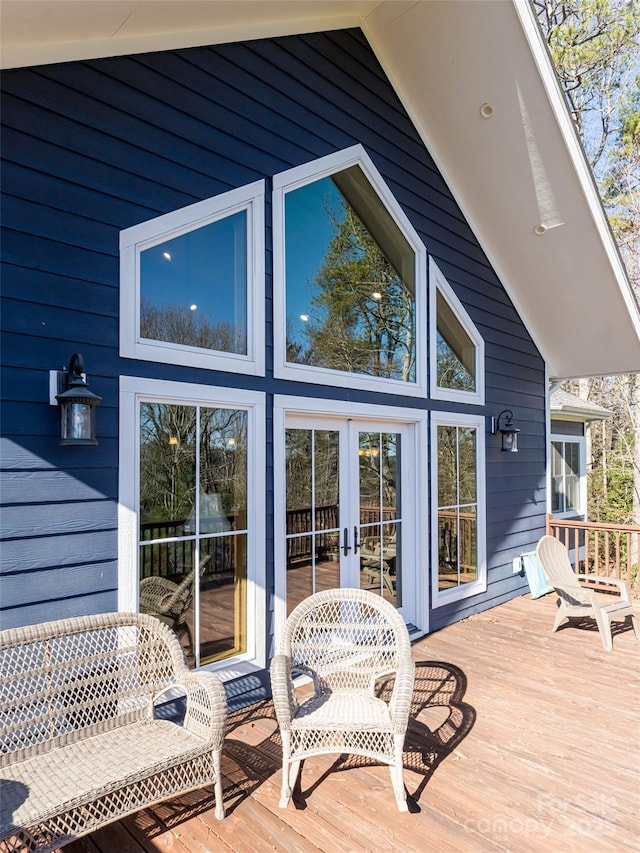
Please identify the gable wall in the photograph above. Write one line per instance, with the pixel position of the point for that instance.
(93, 147)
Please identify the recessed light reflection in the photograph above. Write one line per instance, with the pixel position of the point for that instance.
(193, 307)
(304, 318)
(166, 256)
(376, 295)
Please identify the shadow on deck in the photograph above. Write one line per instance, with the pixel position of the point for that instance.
(519, 739)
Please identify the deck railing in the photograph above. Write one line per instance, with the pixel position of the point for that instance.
(174, 557)
(601, 549)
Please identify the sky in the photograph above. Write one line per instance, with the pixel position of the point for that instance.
(205, 268)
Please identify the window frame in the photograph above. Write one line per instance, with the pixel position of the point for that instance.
(300, 176)
(152, 232)
(133, 392)
(440, 598)
(581, 441)
(438, 283)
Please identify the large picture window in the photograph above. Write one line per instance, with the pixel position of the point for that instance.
(194, 498)
(458, 499)
(348, 278)
(192, 284)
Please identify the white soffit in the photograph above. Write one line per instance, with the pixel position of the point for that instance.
(36, 32)
(519, 169)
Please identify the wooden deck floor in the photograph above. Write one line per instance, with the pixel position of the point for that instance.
(520, 740)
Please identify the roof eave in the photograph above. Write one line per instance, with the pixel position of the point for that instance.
(519, 177)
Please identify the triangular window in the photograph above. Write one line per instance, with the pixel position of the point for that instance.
(457, 349)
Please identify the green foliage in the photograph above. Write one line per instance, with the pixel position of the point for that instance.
(363, 320)
(621, 184)
(611, 492)
(594, 45)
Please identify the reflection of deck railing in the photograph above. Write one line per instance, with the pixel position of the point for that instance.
(302, 520)
(166, 558)
(452, 539)
(602, 549)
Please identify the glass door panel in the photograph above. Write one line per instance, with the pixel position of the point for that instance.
(380, 513)
(312, 481)
(345, 523)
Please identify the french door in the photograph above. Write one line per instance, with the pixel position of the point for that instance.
(349, 516)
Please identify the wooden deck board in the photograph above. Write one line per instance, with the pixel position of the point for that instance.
(520, 740)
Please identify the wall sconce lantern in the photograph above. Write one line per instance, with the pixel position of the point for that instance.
(77, 403)
(508, 431)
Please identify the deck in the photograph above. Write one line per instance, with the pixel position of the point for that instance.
(520, 740)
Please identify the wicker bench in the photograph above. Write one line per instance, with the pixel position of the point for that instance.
(81, 743)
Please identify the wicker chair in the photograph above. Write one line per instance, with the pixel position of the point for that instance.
(82, 742)
(170, 602)
(576, 601)
(344, 640)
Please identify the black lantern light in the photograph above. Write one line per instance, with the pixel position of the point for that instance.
(77, 405)
(508, 431)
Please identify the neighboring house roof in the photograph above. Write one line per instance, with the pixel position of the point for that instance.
(476, 79)
(576, 408)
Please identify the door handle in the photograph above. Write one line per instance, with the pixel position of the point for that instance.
(356, 544)
(345, 542)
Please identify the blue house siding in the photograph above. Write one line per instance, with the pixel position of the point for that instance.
(91, 148)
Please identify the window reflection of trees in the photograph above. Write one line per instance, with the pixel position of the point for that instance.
(178, 324)
(362, 318)
(451, 371)
(455, 351)
(457, 506)
(169, 480)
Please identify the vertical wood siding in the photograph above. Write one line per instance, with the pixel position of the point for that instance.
(93, 147)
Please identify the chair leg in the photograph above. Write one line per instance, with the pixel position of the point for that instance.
(294, 770)
(287, 767)
(636, 625)
(218, 786)
(397, 780)
(604, 626)
(560, 615)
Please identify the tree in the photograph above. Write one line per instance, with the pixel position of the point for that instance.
(621, 184)
(363, 317)
(595, 45)
(179, 325)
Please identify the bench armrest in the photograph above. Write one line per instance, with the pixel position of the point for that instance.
(206, 706)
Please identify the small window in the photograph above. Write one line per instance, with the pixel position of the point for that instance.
(567, 477)
(458, 526)
(456, 346)
(348, 273)
(192, 285)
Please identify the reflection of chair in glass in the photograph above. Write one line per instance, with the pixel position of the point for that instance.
(576, 601)
(170, 602)
(372, 561)
(345, 640)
